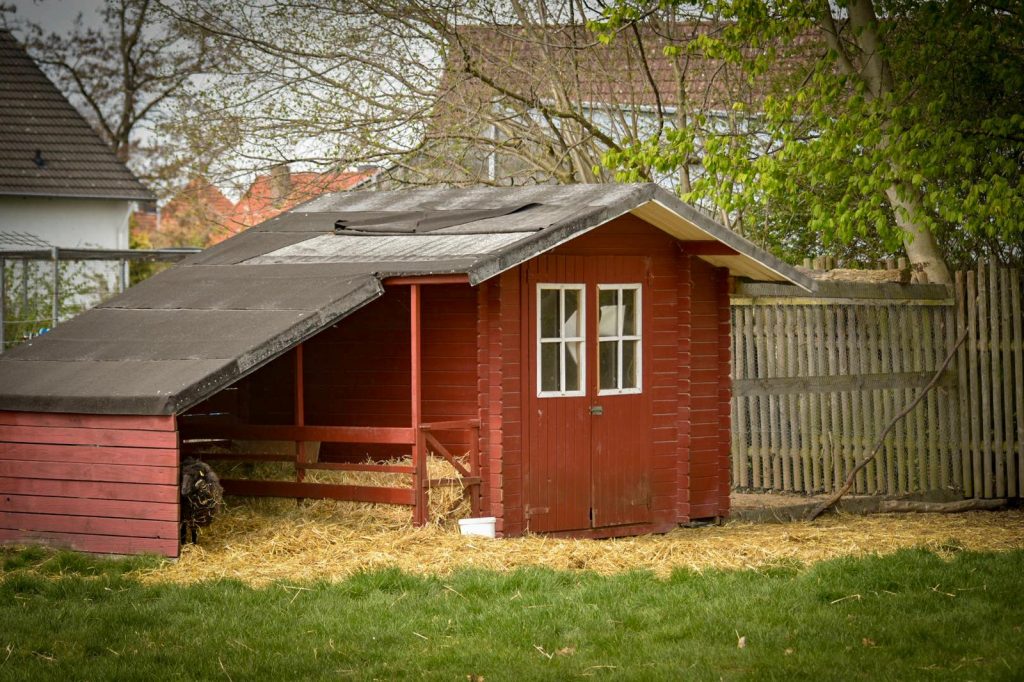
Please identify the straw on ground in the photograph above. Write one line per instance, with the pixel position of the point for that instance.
(267, 540)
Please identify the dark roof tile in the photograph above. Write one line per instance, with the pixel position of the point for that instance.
(35, 116)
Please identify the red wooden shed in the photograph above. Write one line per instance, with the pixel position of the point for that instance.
(573, 340)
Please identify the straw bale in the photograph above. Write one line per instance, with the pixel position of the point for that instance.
(275, 540)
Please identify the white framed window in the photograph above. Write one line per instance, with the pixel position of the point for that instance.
(561, 340)
(619, 347)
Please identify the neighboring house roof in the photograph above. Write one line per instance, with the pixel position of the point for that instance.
(46, 147)
(273, 194)
(177, 338)
(201, 214)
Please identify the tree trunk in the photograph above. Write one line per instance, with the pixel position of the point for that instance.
(872, 67)
(922, 248)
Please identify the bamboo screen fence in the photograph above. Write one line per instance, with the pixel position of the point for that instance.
(816, 380)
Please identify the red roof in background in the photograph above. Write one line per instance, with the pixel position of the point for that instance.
(199, 193)
(270, 195)
(200, 215)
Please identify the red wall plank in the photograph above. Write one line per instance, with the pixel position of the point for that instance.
(102, 544)
(34, 504)
(88, 421)
(165, 457)
(89, 525)
(90, 489)
(87, 436)
(77, 471)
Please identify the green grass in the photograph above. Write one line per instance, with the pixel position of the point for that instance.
(911, 615)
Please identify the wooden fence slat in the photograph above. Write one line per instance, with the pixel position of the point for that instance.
(741, 460)
(985, 381)
(921, 340)
(803, 403)
(814, 432)
(764, 406)
(1006, 452)
(863, 424)
(963, 388)
(938, 476)
(835, 448)
(772, 352)
(1018, 373)
(978, 485)
(996, 425)
(755, 422)
(792, 402)
(951, 444)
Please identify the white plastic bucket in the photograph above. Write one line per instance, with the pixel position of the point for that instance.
(482, 526)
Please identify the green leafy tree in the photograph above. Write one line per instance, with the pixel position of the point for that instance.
(897, 123)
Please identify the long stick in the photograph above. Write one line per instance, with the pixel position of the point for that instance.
(830, 502)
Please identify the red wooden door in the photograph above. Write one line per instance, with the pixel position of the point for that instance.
(620, 425)
(587, 420)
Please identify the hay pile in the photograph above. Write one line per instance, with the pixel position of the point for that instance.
(267, 540)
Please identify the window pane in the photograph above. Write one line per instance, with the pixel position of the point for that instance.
(549, 313)
(550, 372)
(630, 349)
(608, 361)
(571, 313)
(572, 366)
(629, 312)
(608, 315)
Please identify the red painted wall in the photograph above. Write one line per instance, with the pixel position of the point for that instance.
(357, 372)
(94, 483)
(709, 392)
(687, 361)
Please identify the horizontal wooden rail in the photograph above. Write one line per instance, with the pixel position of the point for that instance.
(243, 456)
(345, 466)
(832, 384)
(388, 435)
(453, 482)
(319, 491)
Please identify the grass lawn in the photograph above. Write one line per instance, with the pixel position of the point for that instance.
(908, 615)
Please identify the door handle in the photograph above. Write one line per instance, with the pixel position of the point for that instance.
(597, 409)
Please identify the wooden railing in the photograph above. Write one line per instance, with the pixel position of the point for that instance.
(203, 431)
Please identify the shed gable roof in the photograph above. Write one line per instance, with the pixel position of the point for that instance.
(173, 340)
(46, 147)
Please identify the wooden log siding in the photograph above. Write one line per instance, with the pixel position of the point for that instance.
(816, 379)
(96, 483)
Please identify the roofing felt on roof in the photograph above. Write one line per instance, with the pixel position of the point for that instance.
(173, 340)
(46, 147)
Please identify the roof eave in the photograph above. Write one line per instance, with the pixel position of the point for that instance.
(643, 195)
(140, 195)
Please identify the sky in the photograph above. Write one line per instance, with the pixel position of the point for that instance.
(56, 15)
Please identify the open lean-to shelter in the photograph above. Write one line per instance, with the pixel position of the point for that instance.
(573, 340)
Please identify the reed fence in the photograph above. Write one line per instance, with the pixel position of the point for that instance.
(817, 379)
